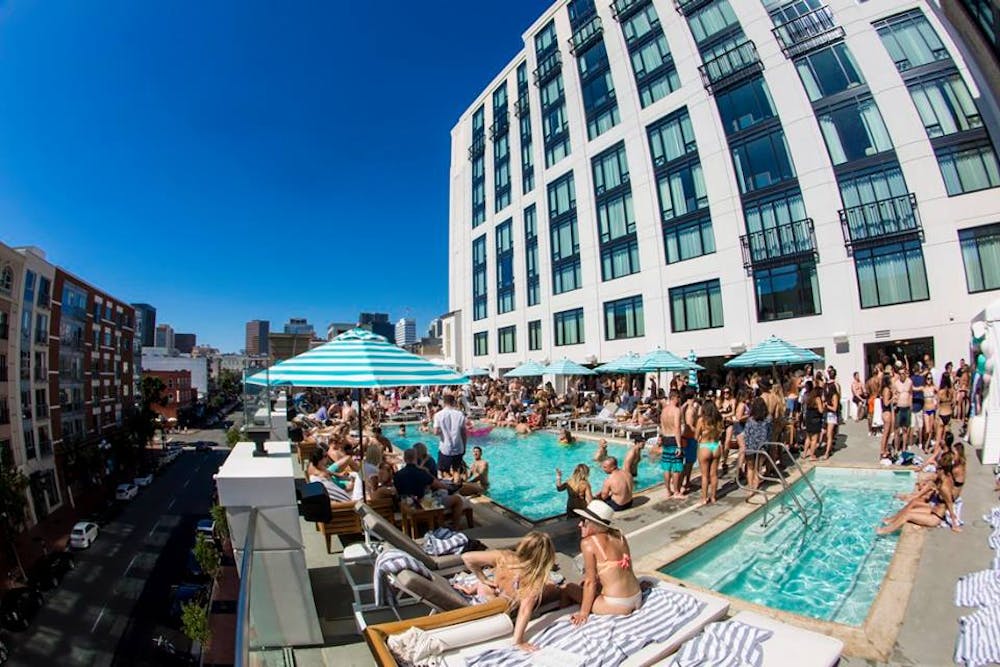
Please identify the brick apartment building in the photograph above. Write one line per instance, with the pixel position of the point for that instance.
(177, 390)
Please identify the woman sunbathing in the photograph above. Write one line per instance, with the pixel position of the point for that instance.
(933, 505)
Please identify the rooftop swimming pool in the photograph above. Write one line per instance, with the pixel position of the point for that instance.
(523, 467)
(830, 570)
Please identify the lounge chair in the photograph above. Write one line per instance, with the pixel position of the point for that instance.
(788, 646)
(606, 417)
(345, 520)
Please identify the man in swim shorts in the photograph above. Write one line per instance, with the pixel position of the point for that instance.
(617, 489)
(689, 413)
(671, 453)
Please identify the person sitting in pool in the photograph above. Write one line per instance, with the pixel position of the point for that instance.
(402, 430)
(602, 450)
(617, 489)
(577, 488)
(634, 455)
(479, 471)
(522, 427)
(520, 576)
(566, 438)
(609, 585)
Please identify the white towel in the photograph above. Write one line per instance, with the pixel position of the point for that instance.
(416, 647)
(979, 638)
(978, 589)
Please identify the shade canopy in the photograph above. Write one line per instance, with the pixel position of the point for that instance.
(692, 374)
(526, 370)
(476, 372)
(357, 359)
(566, 367)
(773, 352)
(627, 363)
(664, 360)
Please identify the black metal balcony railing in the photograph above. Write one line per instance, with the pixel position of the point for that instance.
(807, 32)
(586, 35)
(522, 106)
(939, 54)
(622, 9)
(880, 220)
(501, 124)
(791, 240)
(731, 67)
(478, 146)
(688, 7)
(548, 68)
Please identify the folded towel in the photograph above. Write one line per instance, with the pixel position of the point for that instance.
(393, 561)
(978, 589)
(979, 638)
(443, 541)
(416, 647)
(725, 644)
(606, 640)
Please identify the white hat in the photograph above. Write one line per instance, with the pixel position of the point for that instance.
(597, 511)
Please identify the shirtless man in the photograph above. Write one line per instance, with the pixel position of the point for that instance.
(479, 471)
(522, 427)
(873, 388)
(671, 445)
(617, 489)
(634, 456)
(902, 390)
(602, 450)
(690, 411)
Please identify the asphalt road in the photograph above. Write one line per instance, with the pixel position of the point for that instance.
(110, 608)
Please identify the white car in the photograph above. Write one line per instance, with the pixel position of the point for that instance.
(126, 492)
(144, 480)
(83, 535)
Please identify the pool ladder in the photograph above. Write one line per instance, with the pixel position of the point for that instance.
(778, 476)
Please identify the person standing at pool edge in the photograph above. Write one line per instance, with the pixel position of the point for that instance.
(449, 427)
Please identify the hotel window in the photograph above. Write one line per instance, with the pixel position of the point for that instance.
(535, 335)
(969, 168)
(477, 152)
(598, 90)
(671, 138)
(6, 279)
(681, 191)
(696, 306)
(531, 255)
(555, 127)
(479, 287)
(29, 287)
(41, 329)
(829, 71)
(507, 340)
(986, 14)
(4, 325)
(712, 21)
(623, 319)
(688, 239)
(652, 64)
(945, 105)
(891, 273)
(787, 291)
(615, 218)
(500, 133)
(564, 235)
(762, 161)
(745, 105)
(505, 266)
(854, 131)
(29, 444)
(44, 292)
(911, 41)
(524, 117)
(981, 256)
(568, 327)
(480, 344)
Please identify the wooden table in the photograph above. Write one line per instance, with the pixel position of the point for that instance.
(414, 516)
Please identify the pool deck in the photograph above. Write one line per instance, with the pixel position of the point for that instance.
(921, 615)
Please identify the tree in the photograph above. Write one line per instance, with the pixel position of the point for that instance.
(207, 555)
(230, 383)
(194, 622)
(13, 507)
(221, 522)
(233, 436)
(142, 422)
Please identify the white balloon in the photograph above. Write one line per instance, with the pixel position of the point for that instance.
(978, 329)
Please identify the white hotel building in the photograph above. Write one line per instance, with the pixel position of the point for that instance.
(700, 174)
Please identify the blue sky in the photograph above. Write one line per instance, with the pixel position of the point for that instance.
(228, 161)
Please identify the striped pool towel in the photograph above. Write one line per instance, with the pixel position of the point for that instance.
(605, 640)
(993, 517)
(392, 561)
(444, 541)
(994, 539)
(979, 638)
(725, 644)
(978, 589)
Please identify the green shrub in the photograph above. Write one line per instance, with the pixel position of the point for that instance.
(194, 622)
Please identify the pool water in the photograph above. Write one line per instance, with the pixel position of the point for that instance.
(523, 467)
(831, 570)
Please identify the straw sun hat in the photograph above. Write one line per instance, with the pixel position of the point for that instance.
(599, 512)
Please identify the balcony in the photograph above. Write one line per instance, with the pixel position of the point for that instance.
(731, 67)
(689, 7)
(622, 9)
(586, 36)
(501, 124)
(792, 240)
(808, 32)
(478, 146)
(548, 68)
(522, 107)
(882, 220)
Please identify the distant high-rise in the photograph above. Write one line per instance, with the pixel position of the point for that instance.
(378, 323)
(298, 325)
(334, 329)
(164, 337)
(406, 331)
(185, 342)
(145, 323)
(434, 328)
(256, 341)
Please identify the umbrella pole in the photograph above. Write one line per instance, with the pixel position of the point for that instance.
(361, 443)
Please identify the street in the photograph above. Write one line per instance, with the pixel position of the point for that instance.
(110, 608)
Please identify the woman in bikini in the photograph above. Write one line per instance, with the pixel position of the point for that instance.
(520, 576)
(708, 430)
(885, 395)
(934, 505)
(930, 412)
(609, 584)
(945, 401)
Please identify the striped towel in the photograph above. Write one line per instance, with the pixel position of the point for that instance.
(726, 644)
(994, 539)
(606, 640)
(979, 638)
(993, 517)
(443, 541)
(946, 523)
(392, 561)
(978, 589)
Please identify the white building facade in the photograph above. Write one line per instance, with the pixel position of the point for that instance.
(406, 331)
(701, 174)
(160, 359)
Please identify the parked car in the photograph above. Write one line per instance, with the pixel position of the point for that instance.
(18, 607)
(126, 491)
(83, 535)
(50, 569)
(184, 593)
(194, 570)
(206, 527)
(144, 480)
(203, 447)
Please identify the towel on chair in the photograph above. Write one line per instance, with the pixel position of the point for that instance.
(725, 644)
(979, 638)
(993, 517)
(416, 647)
(444, 541)
(605, 640)
(978, 589)
(393, 561)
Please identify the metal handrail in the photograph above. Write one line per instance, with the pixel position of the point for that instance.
(242, 658)
(780, 479)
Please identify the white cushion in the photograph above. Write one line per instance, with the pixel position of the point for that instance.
(454, 637)
(790, 646)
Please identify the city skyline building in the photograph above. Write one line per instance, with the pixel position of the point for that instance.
(702, 174)
(165, 337)
(334, 329)
(378, 323)
(145, 322)
(185, 342)
(406, 331)
(257, 337)
(299, 325)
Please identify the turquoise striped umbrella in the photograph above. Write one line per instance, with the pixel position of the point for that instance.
(627, 363)
(664, 360)
(773, 352)
(476, 372)
(692, 374)
(357, 359)
(566, 367)
(526, 370)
